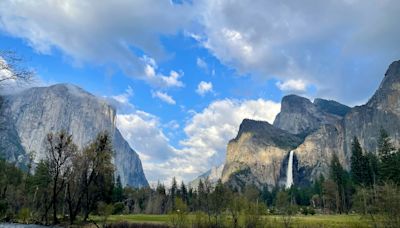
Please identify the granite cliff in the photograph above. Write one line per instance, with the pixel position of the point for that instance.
(28, 116)
(314, 131)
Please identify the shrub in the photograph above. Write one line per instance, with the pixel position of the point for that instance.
(24, 215)
(119, 208)
(178, 218)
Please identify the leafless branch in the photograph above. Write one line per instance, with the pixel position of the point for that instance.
(12, 69)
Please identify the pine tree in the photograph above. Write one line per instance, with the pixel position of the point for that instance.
(184, 193)
(387, 157)
(372, 166)
(173, 193)
(341, 179)
(118, 191)
(358, 171)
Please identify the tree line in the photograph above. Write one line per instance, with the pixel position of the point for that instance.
(66, 183)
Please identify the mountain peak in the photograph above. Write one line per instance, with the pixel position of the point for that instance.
(387, 97)
(300, 116)
(293, 102)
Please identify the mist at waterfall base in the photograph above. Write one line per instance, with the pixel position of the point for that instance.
(289, 172)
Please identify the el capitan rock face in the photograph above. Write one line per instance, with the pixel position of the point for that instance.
(27, 117)
(319, 129)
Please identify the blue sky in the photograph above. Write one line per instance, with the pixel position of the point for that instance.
(184, 74)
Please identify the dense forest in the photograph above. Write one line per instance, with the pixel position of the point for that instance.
(70, 185)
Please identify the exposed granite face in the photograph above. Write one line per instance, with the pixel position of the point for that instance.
(315, 153)
(300, 116)
(332, 107)
(387, 97)
(327, 127)
(259, 149)
(27, 117)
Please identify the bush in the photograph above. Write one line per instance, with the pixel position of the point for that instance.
(311, 211)
(178, 218)
(104, 210)
(119, 208)
(3, 208)
(307, 211)
(24, 215)
(252, 216)
(199, 220)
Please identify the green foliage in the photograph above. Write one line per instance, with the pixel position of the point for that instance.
(118, 208)
(358, 163)
(3, 208)
(104, 210)
(343, 186)
(179, 217)
(24, 215)
(118, 191)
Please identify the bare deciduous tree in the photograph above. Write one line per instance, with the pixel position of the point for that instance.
(13, 70)
(60, 151)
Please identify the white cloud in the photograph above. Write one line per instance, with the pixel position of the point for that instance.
(124, 97)
(209, 131)
(305, 40)
(207, 134)
(158, 79)
(143, 132)
(204, 87)
(122, 101)
(106, 33)
(292, 85)
(202, 64)
(164, 97)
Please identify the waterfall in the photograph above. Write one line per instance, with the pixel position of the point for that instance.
(289, 172)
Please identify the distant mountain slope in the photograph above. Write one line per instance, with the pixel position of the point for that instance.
(212, 175)
(27, 117)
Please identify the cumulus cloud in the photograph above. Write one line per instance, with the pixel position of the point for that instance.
(143, 133)
(325, 43)
(124, 97)
(206, 136)
(204, 87)
(209, 131)
(158, 79)
(297, 86)
(105, 33)
(164, 97)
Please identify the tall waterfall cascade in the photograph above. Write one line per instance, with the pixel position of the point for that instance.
(289, 172)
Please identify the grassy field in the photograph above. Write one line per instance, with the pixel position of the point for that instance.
(324, 221)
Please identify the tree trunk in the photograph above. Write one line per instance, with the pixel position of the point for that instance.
(55, 204)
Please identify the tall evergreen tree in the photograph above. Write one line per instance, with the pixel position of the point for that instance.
(386, 155)
(341, 179)
(118, 191)
(372, 166)
(358, 171)
(173, 193)
(184, 193)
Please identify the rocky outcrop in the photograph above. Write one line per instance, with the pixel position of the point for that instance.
(256, 154)
(300, 116)
(27, 117)
(332, 107)
(327, 127)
